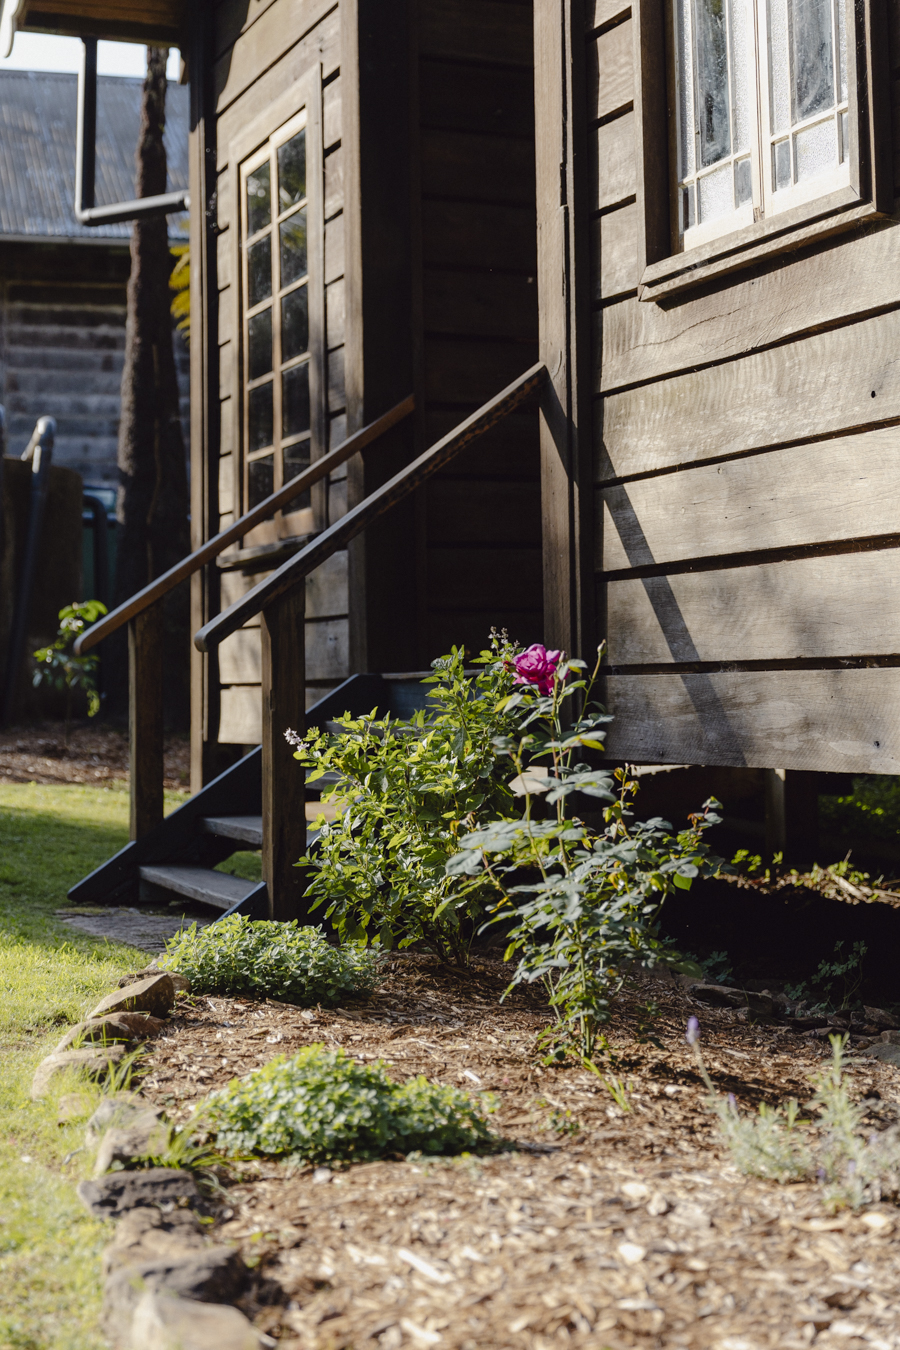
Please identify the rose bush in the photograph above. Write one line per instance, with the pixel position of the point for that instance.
(537, 666)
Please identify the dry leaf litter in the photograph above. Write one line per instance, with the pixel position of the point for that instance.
(604, 1227)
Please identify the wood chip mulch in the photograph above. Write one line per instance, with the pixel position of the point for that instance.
(603, 1228)
(96, 755)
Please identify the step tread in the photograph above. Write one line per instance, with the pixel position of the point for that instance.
(248, 829)
(199, 883)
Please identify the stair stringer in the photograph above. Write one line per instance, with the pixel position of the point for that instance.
(237, 791)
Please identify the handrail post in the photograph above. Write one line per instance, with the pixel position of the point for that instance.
(145, 719)
(283, 779)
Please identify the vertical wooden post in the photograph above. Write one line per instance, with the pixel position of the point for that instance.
(283, 786)
(792, 815)
(145, 719)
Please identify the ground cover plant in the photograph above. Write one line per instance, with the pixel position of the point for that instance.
(406, 790)
(49, 1245)
(321, 1107)
(270, 960)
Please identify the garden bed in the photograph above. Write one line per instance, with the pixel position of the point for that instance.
(602, 1227)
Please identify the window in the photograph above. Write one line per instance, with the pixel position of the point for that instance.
(275, 259)
(762, 109)
(760, 125)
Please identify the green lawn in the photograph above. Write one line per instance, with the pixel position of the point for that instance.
(49, 975)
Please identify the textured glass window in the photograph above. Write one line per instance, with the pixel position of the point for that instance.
(295, 323)
(296, 459)
(260, 417)
(812, 57)
(259, 271)
(259, 199)
(259, 345)
(295, 401)
(711, 51)
(260, 480)
(293, 247)
(292, 171)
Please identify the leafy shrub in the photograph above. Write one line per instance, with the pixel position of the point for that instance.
(322, 1107)
(406, 791)
(584, 902)
(59, 667)
(269, 960)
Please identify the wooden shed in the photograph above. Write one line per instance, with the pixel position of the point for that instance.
(670, 224)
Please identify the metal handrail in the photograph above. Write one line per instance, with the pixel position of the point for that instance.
(319, 469)
(370, 508)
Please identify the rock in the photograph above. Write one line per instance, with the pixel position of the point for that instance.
(95, 1062)
(117, 1192)
(118, 1111)
(881, 1019)
(723, 996)
(161, 1322)
(146, 1233)
(144, 1136)
(890, 1037)
(208, 1275)
(884, 1053)
(808, 1023)
(73, 1106)
(181, 982)
(154, 995)
(126, 1027)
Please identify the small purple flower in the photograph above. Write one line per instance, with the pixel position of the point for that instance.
(537, 666)
(692, 1035)
(732, 1101)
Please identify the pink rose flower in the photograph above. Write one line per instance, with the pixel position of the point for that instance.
(537, 666)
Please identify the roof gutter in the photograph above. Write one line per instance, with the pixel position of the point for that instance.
(86, 213)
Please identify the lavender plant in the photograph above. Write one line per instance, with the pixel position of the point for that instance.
(583, 902)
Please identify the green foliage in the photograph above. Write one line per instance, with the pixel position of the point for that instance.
(584, 902)
(854, 1166)
(269, 960)
(60, 668)
(406, 791)
(835, 982)
(180, 283)
(322, 1107)
(871, 810)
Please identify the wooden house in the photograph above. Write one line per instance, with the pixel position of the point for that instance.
(659, 236)
(62, 284)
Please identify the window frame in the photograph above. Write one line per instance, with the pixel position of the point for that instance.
(665, 271)
(299, 107)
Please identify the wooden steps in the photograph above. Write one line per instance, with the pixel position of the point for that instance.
(201, 884)
(176, 862)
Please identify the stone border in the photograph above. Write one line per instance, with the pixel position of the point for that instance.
(166, 1286)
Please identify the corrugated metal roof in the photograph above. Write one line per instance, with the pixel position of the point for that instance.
(37, 152)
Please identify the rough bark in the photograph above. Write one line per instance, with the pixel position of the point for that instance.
(152, 511)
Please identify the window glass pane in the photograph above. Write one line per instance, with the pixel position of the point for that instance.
(716, 193)
(686, 131)
(292, 171)
(812, 57)
(743, 66)
(781, 165)
(743, 182)
(711, 47)
(259, 410)
(293, 247)
(842, 48)
(259, 344)
(295, 324)
(779, 68)
(845, 137)
(688, 217)
(259, 199)
(296, 459)
(815, 149)
(295, 401)
(260, 480)
(259, 271)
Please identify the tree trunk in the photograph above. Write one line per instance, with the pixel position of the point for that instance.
(152, 509)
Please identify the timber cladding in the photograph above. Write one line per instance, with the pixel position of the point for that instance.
(746, 469)
(422, 178)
